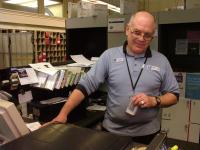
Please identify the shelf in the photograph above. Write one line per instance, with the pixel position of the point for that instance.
(49, 47)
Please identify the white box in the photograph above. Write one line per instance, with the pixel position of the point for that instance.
(128, 6)
(100, 10)
(84, 12)
(86, 9)
(85, 5)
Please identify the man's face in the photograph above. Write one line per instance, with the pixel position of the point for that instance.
(139, 33)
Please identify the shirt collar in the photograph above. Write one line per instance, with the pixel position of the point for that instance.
(146, 54)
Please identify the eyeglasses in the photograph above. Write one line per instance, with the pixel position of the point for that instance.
(138, 34)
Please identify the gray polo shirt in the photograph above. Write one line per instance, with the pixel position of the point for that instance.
(157, 78)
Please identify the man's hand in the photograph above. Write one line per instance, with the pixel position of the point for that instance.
(58, 119)
(144, 101)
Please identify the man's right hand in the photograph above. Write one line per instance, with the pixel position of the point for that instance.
(74, 100)
(57, 119)
(60, 119)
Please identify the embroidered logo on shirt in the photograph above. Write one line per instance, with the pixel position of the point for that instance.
(119, 59)
(153, 68)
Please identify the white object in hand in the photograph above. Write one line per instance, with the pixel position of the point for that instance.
(131, 109)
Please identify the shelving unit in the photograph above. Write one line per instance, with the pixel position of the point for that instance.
(17, 47)
(4, 50)
(49, 47)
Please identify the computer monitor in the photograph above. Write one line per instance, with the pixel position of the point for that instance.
(12, 125)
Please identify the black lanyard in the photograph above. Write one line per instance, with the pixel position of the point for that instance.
(133, 86)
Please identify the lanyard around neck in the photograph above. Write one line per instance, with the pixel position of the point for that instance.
(134, 85)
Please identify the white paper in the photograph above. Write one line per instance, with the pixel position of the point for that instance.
(181, 46)
(24, 109)
(27, 76)
(54, 100)
(51, 81)
(75, 65)
(42, 78)
(80, 59)
(95, 59)
(26, 97)
(62, 67)
(44, 67)
(96, 107)
(33, 126)
(59, 79)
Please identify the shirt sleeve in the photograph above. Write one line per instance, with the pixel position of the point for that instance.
(169, 83)
(95, 76)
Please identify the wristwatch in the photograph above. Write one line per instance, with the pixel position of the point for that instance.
(158, 101)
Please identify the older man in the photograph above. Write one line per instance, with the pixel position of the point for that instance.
(136, 76)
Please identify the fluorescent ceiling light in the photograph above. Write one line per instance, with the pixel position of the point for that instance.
(111, 7)
(31, 3)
